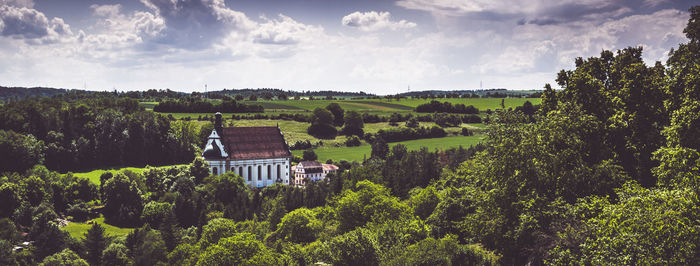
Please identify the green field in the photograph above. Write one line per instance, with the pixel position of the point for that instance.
(94, 175)
(78, 230)
(359, 153)
(391, 105)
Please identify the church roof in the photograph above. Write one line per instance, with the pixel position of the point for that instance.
(245, 143)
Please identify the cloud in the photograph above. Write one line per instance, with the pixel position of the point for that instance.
(18, 3)
(373, 21)
(284, 30)
(31, 25)
(196, 24)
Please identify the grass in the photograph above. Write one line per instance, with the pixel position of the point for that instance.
(358, 153)
(78, 230)
(481, 103)
(94, 175)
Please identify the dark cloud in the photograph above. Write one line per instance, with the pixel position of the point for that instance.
(196, 24)
(31, 25)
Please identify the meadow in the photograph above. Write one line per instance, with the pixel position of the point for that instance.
(364, 151)
(94, 175)
(78, 230)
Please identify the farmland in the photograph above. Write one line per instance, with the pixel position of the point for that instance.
(360, 152)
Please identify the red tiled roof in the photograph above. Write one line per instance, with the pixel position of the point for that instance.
(244, 143)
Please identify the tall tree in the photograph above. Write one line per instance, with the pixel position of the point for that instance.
(95, 243)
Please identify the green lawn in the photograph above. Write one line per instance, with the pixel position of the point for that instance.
(78, 230)
(359, 153)
(94, 175)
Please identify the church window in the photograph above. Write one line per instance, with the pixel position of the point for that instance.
(215, 171)
(259, 172)
(250, 172)
(269, 172)
(278, 171)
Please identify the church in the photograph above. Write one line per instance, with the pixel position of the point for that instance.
(258, 154)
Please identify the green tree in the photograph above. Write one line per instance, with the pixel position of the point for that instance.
(116, 255)
(122, 200)
(636, 230)
(9, 196)
(380, 149)
(353, 124)
(338, 114)
(21, 151)
(423, 201)
(154, 213)
(369, 202)
(549, 100)
(95, 243)
(357, 247)
(64, 258)
(309, 155)
(322, 124)
(215, 230)
(240, 249)
(199, 169)
(299, 226)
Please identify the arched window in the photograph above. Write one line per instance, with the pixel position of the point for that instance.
(215, 171)
(250, 172)
(240, 172)
(269, 172)
(259, 172)
(278, 171)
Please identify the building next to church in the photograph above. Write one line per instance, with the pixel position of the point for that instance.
(258, 154)
(311, 171)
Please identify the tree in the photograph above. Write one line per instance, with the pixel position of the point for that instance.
(95, 243)
(240, 249)
(64, 258)
(299, 226)
(322, 124)
(549, 100)
(356, 247)
(122, 200)
(309, 155)
(412, 123)
(338, 114)
(253, 97)
(22, 151)
(9, 196)
(380, 149)
(353, 124)
(154, 213)
(116, 255)
(369, 202)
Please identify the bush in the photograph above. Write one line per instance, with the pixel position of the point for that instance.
(353, 141)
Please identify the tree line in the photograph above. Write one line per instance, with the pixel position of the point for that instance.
(68, 135)
(199, 105)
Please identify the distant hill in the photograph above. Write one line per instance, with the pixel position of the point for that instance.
(260, 91)
(481, 93)
(7, 93)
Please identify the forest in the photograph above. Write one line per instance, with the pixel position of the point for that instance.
(604, 172)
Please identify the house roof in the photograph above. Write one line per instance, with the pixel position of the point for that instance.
(244, 143)
(330, 167)
(310, 164)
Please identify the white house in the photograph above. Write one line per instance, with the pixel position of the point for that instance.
(311, 171)
(258, 154)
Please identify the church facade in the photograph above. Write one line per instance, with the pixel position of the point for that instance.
(258, 154)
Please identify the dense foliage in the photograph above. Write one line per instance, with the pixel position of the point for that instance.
(198, 105)
(446, 107)
(70, 134)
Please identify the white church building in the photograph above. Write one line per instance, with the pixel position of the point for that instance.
(258, 154)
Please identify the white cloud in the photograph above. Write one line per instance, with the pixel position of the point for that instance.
(285, 30)
(18, 3)
(373, 21)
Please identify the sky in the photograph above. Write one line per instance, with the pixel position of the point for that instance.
(375, 46)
